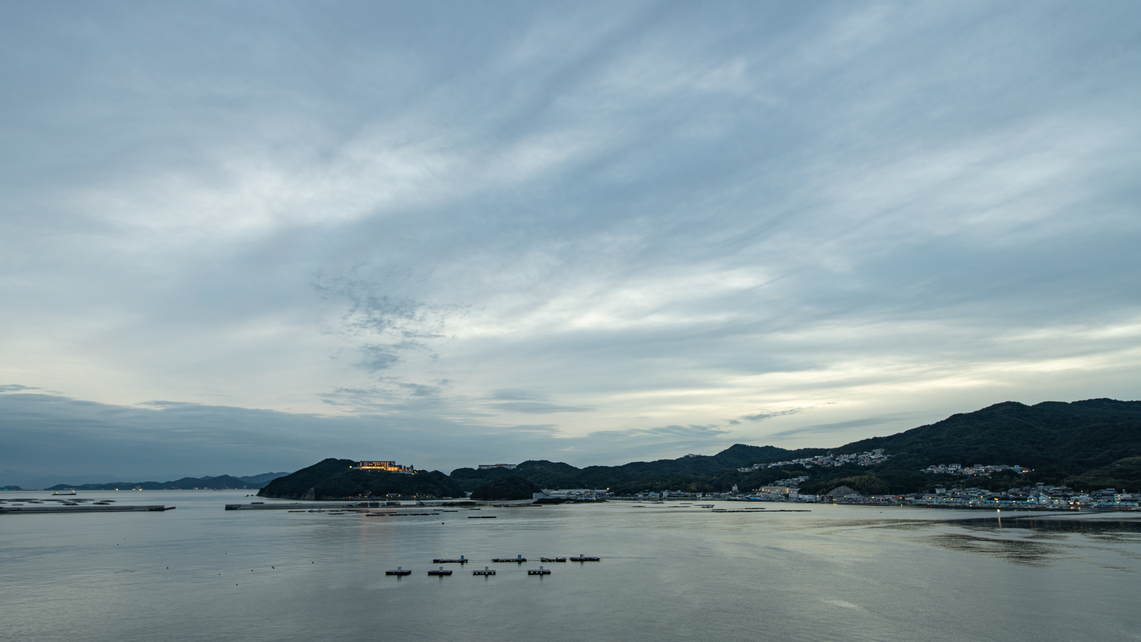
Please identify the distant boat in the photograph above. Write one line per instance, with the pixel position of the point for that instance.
(65, 492)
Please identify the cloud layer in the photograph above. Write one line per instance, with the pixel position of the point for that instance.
(584, 231)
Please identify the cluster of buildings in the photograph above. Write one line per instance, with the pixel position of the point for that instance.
(791, 481)
(973, 471)
(1039, 496)
(490, 466)
(588, 494)
(386, 466)
(869, 458)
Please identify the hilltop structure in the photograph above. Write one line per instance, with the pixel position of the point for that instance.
(386, 466)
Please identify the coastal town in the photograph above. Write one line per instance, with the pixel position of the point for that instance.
(1036, 497)
(1031, 497)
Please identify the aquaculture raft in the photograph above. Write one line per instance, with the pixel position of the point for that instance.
(448, 560)
(499, 560)
(399, 571)
(585, 558)
(17, 510)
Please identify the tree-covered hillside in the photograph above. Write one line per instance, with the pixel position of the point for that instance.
(512, 487)
(1060, 442)
(1080, 443)
(705, 473)
(337, 479)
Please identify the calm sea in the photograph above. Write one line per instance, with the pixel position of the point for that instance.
(668, 572)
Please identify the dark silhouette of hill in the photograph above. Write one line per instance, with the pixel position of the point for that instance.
(221, 482)
(506, 488)
(337, 479)
(1061, 442)
(1072, 437)
(257, 481)
(692, 472)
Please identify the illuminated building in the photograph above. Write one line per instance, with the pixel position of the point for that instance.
(386, 466)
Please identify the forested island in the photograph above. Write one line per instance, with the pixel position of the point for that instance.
(1084, 444)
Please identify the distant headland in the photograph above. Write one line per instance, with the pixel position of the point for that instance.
(221, 482)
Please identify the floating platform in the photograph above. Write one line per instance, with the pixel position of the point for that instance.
(399, 571)
(720, 511)
(80, 508)
(499, 560)
(585, 558)
(552, 559)
(447, 560)
(282, 506)
(538, 571)
(485, 571)
(441, 571)
(481, 516)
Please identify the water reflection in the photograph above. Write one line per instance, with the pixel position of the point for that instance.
(1027, 539)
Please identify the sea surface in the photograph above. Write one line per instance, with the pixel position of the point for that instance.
(669, 571)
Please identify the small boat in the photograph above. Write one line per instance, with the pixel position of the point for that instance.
(399, 571)
(65, 492)
(584, 558)
(540, 571)
(485, 571)
(552, 559)
(440, 572)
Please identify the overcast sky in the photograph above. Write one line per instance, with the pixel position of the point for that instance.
(243, 236)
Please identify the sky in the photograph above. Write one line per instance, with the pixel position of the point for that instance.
(240, 237)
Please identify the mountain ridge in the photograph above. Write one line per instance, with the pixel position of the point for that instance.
(220, 482)
(1076, 442)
